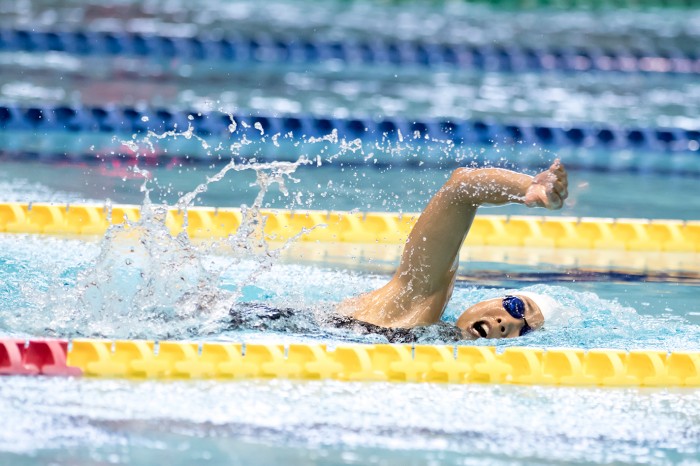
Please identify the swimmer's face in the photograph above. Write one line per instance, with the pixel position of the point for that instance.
(489, 319)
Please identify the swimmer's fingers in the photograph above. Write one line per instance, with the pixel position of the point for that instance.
(561, 189)
(550, 187)
(558, 186)
(565, 182)
(558, 169)
(554, 200)
(561, 185)
(555, 192)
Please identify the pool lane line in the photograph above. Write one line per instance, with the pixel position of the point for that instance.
(366, 227)
(168, 360)
(217, 126)
(35, 357)
(283, 49)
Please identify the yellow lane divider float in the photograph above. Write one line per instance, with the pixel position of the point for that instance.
(391, 363)
(368, 227)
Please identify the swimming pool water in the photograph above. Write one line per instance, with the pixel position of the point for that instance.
(66, 287)
(83, 421)
(336, 187)
(95, 422)
(44, 293)
(65, 421)
(450, 22)
(338, 91)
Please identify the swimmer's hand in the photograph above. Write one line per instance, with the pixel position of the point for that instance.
(549, 189)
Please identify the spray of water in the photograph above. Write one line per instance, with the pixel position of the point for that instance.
(148, 283)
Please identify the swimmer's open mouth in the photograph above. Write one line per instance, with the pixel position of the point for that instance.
(481, 329)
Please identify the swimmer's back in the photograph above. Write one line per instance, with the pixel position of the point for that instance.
(262, 317)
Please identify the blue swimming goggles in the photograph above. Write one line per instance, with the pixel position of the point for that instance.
(516, 308)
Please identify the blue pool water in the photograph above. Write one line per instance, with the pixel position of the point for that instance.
(302, 423)
(88, 422)
(665, 100)
(337, 89)
(161, 287)
(337, 187)
(605, 303)
(458, 22)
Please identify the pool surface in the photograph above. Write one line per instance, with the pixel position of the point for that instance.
(334, 186)
(299, 423)
(146, 284)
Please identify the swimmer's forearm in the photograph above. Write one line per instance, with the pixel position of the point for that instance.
(492, 186)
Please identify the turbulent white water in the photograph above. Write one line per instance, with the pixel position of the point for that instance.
(145, 282)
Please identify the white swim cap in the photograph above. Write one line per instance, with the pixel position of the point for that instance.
(547, 305)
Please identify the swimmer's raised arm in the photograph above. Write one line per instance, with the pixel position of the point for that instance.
(422, 285)
(432, 248)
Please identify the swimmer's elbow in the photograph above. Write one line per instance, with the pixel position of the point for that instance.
(463, 173)
(464, 183)
(462, 177)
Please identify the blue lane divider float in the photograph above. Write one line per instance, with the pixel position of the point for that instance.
(265, 48)
(128, 120)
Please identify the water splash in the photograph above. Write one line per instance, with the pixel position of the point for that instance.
(148, 283)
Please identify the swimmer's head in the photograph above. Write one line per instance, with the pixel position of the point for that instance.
(508, 317)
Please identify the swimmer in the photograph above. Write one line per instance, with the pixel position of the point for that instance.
(419, 291)
(409, 308)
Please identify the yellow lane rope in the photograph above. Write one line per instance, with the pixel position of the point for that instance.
(394, 363)
(368, 227)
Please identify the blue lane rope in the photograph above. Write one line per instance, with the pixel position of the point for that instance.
(129, 120)
(264, 48)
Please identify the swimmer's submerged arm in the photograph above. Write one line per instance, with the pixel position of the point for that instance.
(433, 245)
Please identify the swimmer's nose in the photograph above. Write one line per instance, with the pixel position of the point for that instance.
(504, 328)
